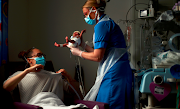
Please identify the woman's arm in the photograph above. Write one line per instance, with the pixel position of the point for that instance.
(12, 82)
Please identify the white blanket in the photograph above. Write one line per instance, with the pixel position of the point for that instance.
(49, 100)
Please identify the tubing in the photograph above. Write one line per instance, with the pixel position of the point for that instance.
(73, 89)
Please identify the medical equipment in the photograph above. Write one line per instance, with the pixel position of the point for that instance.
(171, 42)
(145, 13)
(128, 32)
(157, 76)
(145, 46)
(165, 59)
(165, 23)
(145, 59)
(156, 87)
(132, 7)
(129, 29)
(157, 37)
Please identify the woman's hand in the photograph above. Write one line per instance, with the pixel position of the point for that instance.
(65, 74)
(35, 68)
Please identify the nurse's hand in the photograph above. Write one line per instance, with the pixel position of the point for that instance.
(75, 51)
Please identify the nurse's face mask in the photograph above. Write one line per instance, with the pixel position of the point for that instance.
(39, 58)
(89, 20)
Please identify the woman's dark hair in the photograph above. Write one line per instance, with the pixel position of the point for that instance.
(25, 54)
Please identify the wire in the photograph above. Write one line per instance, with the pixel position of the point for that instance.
(73, 89)
(77, 61)
(135, 6)
(81, 81)
(132, 7)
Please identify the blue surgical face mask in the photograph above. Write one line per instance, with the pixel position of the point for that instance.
(89, 20)
(40, 60)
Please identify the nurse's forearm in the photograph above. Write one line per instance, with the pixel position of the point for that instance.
(88, 48)
(90, 56)
(96, 55)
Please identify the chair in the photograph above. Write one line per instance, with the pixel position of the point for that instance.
(12, 67)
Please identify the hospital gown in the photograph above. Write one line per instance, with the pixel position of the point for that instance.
(115, 88)
(43, 81)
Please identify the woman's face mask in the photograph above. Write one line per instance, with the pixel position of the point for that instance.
(90, 21)
(39, 60)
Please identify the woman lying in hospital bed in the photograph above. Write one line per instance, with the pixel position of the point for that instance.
(38, 86)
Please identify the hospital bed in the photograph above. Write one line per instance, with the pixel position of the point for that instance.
(12, 67)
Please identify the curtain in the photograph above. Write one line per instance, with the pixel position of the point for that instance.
(3, 32)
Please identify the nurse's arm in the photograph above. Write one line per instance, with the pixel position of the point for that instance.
(88, 48)
(95, 55)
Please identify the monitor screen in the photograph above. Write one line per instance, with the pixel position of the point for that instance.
(144, 13)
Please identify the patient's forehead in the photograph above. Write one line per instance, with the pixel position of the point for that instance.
(35, 51)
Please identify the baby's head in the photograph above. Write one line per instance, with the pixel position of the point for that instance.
(76, 34)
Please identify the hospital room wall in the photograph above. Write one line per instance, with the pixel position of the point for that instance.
(37, 23)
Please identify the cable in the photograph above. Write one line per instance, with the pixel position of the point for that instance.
(135, 6)
(81, 81)
(73, 89)
(132, 7)
(79, 76)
